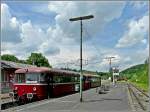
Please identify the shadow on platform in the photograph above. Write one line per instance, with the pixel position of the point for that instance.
(103, 99)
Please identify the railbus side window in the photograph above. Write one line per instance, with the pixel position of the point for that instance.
(63, 79)
(20, 78)
(58, 79)
(66, 79)
(77, 79)
(43, 78)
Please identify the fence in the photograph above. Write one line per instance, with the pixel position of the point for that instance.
(5, 87)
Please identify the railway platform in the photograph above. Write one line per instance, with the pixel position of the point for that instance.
(114, 100)
(5, 98)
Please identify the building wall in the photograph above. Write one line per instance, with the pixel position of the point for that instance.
(7, 78)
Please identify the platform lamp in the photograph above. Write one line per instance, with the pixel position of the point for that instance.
(81, 74)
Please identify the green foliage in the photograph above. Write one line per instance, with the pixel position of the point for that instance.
(38, 59)
(9, 57)
(137, 74)
(23, 61)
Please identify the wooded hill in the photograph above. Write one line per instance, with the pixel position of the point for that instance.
(137, 74)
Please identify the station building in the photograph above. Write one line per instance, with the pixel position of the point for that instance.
(7, 74)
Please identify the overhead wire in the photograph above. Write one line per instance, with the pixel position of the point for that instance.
(98, 51)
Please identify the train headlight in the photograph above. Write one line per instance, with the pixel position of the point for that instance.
(16, 88)
(34, 88)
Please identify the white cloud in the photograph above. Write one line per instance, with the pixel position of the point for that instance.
(9, 26)
(48, 48)
(33, 39)
(127, 59)
(31, 36)
(14, 23)
(26, 36)
(68, 33)
(103, 13)
(60, 42)
(144, 41)
(64, 32)
(137, 30)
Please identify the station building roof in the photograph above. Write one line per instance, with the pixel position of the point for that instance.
(13, 65)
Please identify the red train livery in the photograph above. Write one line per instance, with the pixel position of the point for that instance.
(37, 83)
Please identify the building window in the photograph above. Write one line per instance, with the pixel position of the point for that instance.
(4, 76)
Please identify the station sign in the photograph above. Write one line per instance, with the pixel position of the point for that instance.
(116, 74)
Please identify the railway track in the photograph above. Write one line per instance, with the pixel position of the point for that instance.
(140, 99)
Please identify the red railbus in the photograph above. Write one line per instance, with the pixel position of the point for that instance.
(91, 81)
(37, 83)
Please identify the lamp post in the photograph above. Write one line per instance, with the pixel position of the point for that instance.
(81, 75)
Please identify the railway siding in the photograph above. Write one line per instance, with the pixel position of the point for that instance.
(140, 100)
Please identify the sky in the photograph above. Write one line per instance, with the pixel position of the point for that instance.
(119, 29)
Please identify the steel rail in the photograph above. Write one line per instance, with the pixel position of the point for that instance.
(138, 100)
(140, 90)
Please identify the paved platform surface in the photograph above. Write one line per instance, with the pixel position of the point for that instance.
(116, 100)
(4, 96)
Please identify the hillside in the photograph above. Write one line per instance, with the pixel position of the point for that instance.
(138, 75)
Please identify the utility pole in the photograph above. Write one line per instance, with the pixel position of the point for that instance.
(115, 74)
(81, 74)
(110, 61)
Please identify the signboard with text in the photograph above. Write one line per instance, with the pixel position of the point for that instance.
(116, 73)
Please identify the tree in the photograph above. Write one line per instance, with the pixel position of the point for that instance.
(38, 59)
(23, 61)
(9, 57)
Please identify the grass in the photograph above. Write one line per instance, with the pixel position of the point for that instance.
(142, 86)
(138, 75)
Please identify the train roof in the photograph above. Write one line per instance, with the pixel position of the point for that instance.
(54, 71)
(90, 75)
(33, 70)
(65, 72)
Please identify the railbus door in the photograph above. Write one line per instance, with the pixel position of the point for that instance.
(49, 80)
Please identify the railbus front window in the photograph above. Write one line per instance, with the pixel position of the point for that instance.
(32, 77)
